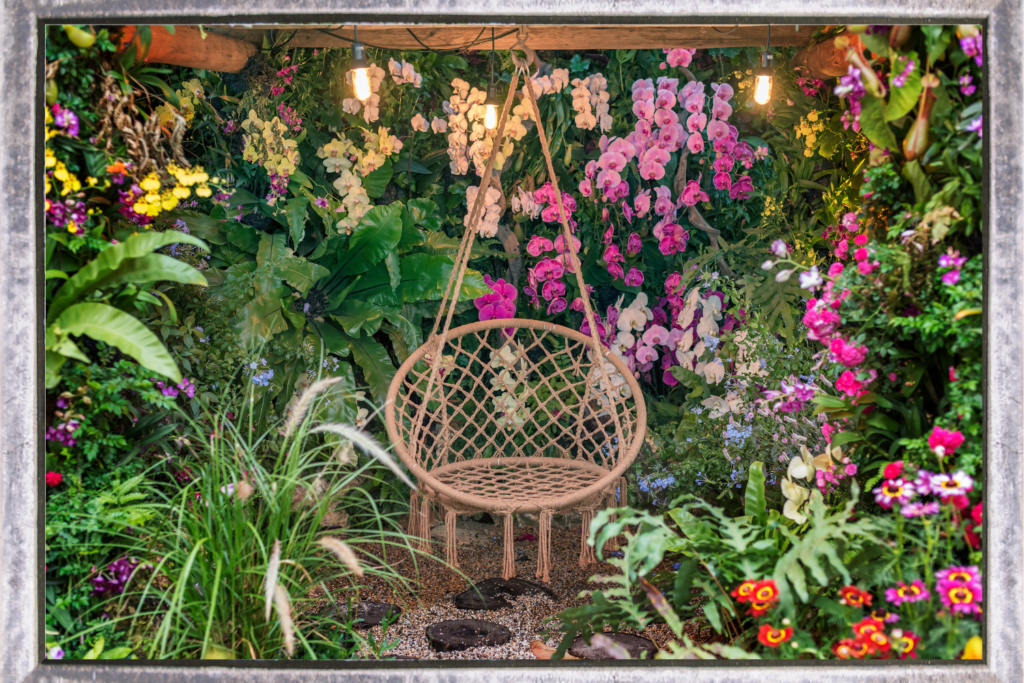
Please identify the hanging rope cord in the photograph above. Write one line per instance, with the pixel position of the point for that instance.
(454, 286)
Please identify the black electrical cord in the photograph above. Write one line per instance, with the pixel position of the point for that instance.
(426, 47)
(725, 33)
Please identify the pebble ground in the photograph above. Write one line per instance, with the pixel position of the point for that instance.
(434, 585)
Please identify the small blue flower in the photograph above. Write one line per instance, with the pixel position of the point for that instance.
(676, 566)
(710, 342)
(735, 435)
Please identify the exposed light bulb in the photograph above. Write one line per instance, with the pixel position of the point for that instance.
(491, 117)
(361, 82)
(763, 89)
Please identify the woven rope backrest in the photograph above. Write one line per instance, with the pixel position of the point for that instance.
(535, 393)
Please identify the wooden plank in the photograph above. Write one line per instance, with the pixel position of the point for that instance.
(541, 36)
(187, 47)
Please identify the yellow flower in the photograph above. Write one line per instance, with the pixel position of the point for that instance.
(51, 159)
(813, 116)
(203, 191)
(973, 649)
(72, 228)
(181, 192)
(91, 181)
(808, 152)
(150, 183)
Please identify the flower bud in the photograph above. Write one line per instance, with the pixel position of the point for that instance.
(916, 142)
(899, 35)
(783, 275)
(767, 265)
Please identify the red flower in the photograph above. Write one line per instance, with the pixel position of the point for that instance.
(893, 470)
(770, 636)
(976, 514)
(54, 479)
(766, 591)
(952, 374)
(745, 591)
(906, 644)
(759, 608)
(866, 627)
(854, 597)
(848, 648)
(879, 642)
(944, 443)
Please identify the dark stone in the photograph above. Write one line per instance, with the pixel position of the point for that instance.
(478, 599)
(370, 614)
(462, 634)
(514, 587)
(635, 646)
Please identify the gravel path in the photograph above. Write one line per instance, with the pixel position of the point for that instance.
(431, 600)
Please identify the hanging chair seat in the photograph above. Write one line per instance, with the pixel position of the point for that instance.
(518, 418)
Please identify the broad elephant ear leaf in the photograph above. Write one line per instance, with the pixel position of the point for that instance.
(122, 331)
(425, 276)
(261, 318)
(373, 358)
(357, 316)
(87, 278)
(295, 214)
(377, 233)
(153, 268)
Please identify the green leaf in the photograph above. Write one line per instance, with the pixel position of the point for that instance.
(244, 237)
(356, 316)
(375, 182)
(753, 502)
(372, 357)
(95, 650)
(936, 39)
(90, 276)
(300, 273)
(377, 233)
(54, 362)
(153, 268)
(394, 269)
(424, 277)
(873, 124)
(117, 653)
(876, 42)
(295, 212)
(903, 99)
(272, 248)
(334, 341)
(913, 172)
(202, 226)
(406, 337)
(844, 438)
(260, 319)
(119, 329)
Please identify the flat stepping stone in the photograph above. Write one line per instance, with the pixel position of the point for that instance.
(479, 599)
(462, 634)
(516, 587)
(634, 645)
(370, 614)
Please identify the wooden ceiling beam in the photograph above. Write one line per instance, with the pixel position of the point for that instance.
(574, 37)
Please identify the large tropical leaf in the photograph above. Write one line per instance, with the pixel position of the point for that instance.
(377, 233)
(202, 226)
(334, 341)
(153, 268)
(375, 182)
(873, 123)
(261, 318)
(295, 213)
(375, 288)
(425, 276)
(88, 278)
(300, 273)
(119, 329)
(372, 357)
(356, 316)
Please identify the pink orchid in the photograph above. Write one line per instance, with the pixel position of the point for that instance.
(612, 254)
(693, 194)
(633, 244)
(553, 289)
(722, 180)
(634, 278)
(590, 170)
(690, 88)
(666, 83)
(577, 305)
(720, 109)
(744, 154)
(666, 99)
(696, 122)
(652, 170)
(663, 205)
(665, 117)
(556, 306)
(611, 161)
(723, 91)
(741, 188)
(627, 211)
(608, 234)
(724, 145)
(615, 270)
(607, 179)
(724, 162)
(718, 130)
(548, 269)
(673, 239)
(672, 283)
(694, 103)
(623, 147)
(656, 335)
(586, 187)
(642, 203)
(645, 354)
(643, 109)
(560, 245)
(695, 143)
(679, 57)
(538, 245)
(669, 137)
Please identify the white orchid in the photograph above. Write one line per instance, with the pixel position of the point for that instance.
(719, 406)
(419, 123)
(795, 496)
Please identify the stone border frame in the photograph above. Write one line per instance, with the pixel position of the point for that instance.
(21, 358)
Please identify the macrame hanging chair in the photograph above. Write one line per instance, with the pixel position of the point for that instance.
(514, 416)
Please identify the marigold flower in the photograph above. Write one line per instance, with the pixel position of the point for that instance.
(770, 636)
(848, 648)
(973, 650)
(759, 608)
(879, 642)
(766, 591)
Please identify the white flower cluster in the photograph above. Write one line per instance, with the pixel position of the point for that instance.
(404, 72)
(420, 123)
(706, 335)
(547, 85)
(511, 410)
(523, 202)
(591, 92)
(468, 138)
(488, 226)
(371, 111)
(336, 155)
(339, 155)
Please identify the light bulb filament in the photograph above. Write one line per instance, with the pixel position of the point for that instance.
(361, 82)
(491, 117)
(763, 89)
